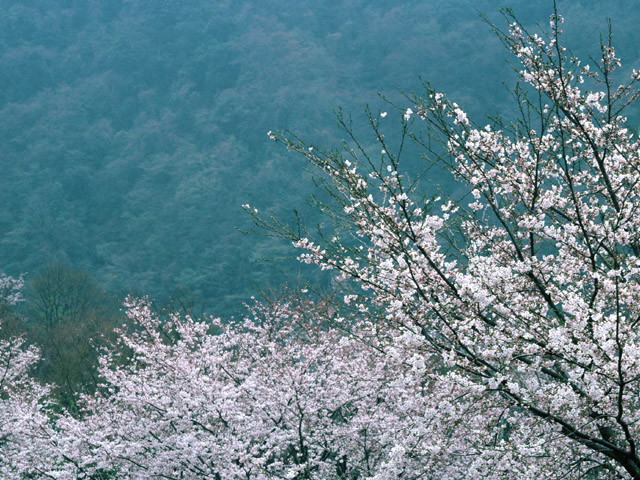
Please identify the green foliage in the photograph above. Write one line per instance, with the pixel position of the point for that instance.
(69, 317)
(132, 131)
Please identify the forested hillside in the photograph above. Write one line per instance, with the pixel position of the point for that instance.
(133, 131)
(477, 247)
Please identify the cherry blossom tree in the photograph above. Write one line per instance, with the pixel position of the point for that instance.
(297, 390)
(10, 291)
(280, 395)
(26, 436)
(526, 291)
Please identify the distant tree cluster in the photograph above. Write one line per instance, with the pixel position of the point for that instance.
(125, 121)
(493, 337)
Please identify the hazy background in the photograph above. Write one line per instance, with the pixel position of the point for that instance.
(133, 131)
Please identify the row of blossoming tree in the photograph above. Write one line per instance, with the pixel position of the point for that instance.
(493, 337)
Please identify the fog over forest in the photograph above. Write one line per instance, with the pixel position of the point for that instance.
(133, 131)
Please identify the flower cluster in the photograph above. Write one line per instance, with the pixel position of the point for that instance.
(528, 293)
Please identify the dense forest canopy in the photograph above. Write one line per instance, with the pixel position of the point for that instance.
(488, 332)
(133, 131)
